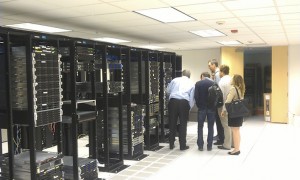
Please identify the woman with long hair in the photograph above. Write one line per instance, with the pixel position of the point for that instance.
(237, 90)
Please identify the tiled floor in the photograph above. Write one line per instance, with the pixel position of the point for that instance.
(269, 151)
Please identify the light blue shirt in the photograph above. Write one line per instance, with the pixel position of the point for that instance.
(182, 88)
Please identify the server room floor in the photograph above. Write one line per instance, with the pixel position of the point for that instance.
(269, 151)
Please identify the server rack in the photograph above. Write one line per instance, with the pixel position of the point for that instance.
(5, 100)
(79, 100)
(178, 66)
(109, 103)
(166, 70)
(150, 92)
(133, 113)
(33, 73)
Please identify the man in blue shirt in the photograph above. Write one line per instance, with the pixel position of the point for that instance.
(201, 97)
(181, 100)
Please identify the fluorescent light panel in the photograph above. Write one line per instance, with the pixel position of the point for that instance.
(151, 47)
(111, 40)
(208, 33)
(37, 27)
(166, 15)
(230, 42)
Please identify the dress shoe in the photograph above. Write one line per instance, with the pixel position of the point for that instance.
(235, 153)
(172, 146)
(209, 148)
(218, 143)
(200, 148)
(222, 147)
(184, 148)
(216, 138)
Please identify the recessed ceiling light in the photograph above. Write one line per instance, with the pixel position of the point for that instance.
(37, 27)
(166, 15)
(208, 33)
(230, 42)
(151, 47)
(111, 40)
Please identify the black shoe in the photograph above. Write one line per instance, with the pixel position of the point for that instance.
(172, 146)
(216, 138)
(200, 148)
(235, 153)
(218, 143)
(184, 148)
(209, 148)
(222, 147)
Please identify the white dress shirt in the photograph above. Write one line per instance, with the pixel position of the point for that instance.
(225, 85)
(182, 88)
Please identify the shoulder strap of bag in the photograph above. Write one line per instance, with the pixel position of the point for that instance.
(237, 92)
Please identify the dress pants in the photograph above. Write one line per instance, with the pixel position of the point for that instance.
(220, 129)
(227, 130)
(178, 108)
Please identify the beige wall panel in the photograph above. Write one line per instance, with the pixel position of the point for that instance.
(279, 95)
(234, 58)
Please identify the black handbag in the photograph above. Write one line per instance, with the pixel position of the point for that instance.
(237, 108)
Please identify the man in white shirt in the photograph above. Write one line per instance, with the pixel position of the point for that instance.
(225, 85)
(181, 100)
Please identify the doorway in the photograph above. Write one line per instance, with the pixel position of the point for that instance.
(257, 76)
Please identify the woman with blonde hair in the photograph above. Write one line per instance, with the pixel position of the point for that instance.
(237, 90)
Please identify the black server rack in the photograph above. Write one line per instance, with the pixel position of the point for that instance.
(150, 92)
(5, 104)
(109, 80)
(133, 113)
(166, 70)
(178, 66)
(34, 101)
(79, 99)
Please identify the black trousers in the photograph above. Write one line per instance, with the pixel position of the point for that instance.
(178, 108)
(220, 128)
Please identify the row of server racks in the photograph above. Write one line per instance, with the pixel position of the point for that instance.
(54, 89)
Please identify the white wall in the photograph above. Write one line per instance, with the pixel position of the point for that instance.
(294, 80)
(197, 61)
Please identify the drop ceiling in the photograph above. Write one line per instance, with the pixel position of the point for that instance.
(260, 23)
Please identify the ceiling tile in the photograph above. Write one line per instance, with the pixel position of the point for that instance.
(186, 2)
(122, 16)
(246, 4)
(255, 12)
(189, 26)
(291, 22)
(287, 2)
(132, 5)
(4, 21)
(260, 18)
(201, 8)
(290, 16)
(289, 9)
(268, 30)
(263, 23)
(28, 6)
(216, 15)
(96, 9)
(228, 23)
(71, 3)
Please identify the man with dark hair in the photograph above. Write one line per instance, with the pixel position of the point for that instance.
(181, 95)
(225, 85)
(201, 98)
(213, 66)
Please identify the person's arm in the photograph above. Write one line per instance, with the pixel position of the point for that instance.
(192, 99)
(196, 95)
(229, 98)
(170, 87)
